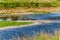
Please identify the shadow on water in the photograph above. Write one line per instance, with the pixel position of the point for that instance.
(28, 30)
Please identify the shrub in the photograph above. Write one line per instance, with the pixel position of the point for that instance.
(1, 6)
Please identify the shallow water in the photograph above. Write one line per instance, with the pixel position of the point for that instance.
(49, 28)
(49, 16)
(29, 30)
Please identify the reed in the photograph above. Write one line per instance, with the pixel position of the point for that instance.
(41, 36)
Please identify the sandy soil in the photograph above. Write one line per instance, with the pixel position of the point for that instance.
(48, 9)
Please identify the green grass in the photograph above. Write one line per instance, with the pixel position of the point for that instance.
(7, 4)
(38, 12)
(23, 1)
(12, 23)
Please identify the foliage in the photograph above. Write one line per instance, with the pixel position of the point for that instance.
(27, 3)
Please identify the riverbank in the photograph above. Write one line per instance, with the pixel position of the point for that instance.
(12, 23)
(32, 32)
(42, 9)
(36, 22)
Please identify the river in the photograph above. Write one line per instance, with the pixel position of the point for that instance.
(31, 30)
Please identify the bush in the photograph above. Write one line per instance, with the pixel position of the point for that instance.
(45, 4)
(34, 5)
(1, 6)
(28, 5)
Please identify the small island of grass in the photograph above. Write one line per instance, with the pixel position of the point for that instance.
(12, 23)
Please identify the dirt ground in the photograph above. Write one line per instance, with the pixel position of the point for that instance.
(42, 9)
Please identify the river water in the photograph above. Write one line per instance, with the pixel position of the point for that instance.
(50, 16)
(33, 29)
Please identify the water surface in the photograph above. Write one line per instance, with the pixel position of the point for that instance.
(49, 16)
(29, 30)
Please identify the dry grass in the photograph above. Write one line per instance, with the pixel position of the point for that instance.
(41, 36)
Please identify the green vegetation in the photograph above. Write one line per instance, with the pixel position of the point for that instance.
(12, 23)
(38, 12)
(27, 3)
